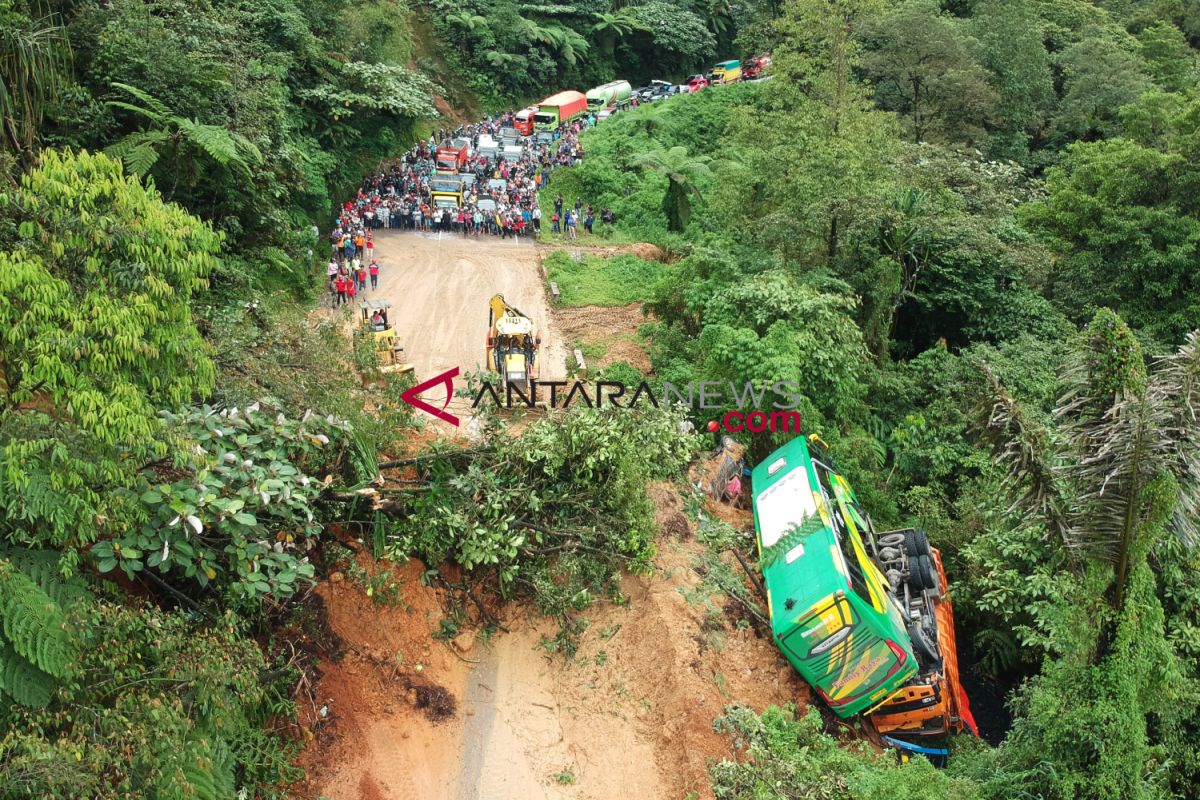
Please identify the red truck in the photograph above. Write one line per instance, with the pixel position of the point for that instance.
(451, 157)
(753, 68)
(523, 120)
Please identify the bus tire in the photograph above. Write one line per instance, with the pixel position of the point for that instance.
(925, 572)
(926, 651)
(916, 542)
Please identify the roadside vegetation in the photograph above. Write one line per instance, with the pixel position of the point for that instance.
(592, 280)
(967, 230)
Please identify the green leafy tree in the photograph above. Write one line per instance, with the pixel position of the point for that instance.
(1171, 62)
(921, 61)
(1010, 45)
(1101, 74)
(811, 156)
(683, 172)
(95, 305)
(1121, 217)
(675, 30)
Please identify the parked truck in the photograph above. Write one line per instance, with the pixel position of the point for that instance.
(451, 158)
(523, 120)
(725, 72)
(446, 191)
(616, 93)
(559, 108)
(864, 618)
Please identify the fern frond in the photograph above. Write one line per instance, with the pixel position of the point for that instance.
(43, 567)
(33, 623)
(215, 141)
(155, 109)
(22, 681)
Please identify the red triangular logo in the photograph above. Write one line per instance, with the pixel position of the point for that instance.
(445, 379)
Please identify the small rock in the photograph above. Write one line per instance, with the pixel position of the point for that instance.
(464, 642)
(470, 712)
(336, 577)
(785, 674)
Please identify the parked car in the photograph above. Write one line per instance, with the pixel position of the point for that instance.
(605, 113)
(654, 90)
(696, 82)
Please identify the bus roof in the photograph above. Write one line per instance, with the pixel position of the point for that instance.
(562, 97)
(786, 493)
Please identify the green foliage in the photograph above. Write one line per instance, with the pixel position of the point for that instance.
(1122, 220)
(184, 139)
(34, 60)
(921, 63)
(604, 281)
(94, 299)
(241, 511)
(161, 707)
(556, 513)
(785, 756)
(37, 650)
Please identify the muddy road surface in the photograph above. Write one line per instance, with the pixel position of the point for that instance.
(440, 285)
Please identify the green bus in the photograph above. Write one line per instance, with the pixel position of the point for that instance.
(832, 612)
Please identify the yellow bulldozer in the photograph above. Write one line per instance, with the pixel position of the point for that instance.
(387, 345)
(512, 344)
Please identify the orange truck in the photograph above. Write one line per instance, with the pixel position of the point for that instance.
(559, 108)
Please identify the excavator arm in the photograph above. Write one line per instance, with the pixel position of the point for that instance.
(499, 307)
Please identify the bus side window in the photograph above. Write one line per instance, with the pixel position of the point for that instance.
(858, 581)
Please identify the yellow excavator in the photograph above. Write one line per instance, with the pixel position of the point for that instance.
(375, 321)
(512, 344)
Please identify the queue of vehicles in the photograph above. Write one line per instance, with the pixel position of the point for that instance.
(542, 120)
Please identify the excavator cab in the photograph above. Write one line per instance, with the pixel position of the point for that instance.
(374, 315)
(512, 344)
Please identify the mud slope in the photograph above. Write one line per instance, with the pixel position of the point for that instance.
(440, 285)
(629, 716)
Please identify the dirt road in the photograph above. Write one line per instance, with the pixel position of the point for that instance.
(440, 285)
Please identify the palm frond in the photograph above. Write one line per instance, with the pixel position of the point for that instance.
(1173, 394)
(1022, 449)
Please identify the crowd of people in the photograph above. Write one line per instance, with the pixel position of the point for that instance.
(500, 201)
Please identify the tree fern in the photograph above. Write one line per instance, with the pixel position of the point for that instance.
(33, 623)
(22, 681)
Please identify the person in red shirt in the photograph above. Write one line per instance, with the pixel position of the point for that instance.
(362, 277)
(339, 283)
(374, 269)
(350, 290)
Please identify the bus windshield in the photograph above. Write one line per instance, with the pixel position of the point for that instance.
(784, 505)
(544, 118)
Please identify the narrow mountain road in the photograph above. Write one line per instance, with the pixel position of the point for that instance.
(440, 285)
